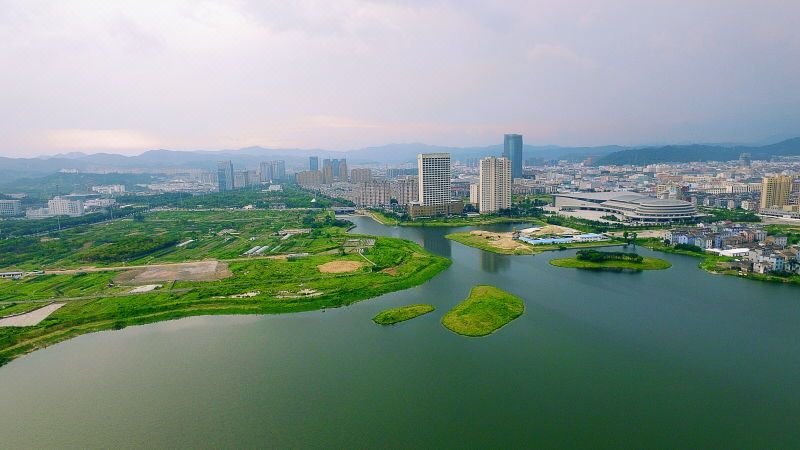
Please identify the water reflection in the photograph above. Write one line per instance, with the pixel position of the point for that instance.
(492, 262)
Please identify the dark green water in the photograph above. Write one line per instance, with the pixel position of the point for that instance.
(675, 358)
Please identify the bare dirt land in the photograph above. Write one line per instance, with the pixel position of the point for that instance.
(196, 271)
(502, 241)
(31, 318)
(340, 266)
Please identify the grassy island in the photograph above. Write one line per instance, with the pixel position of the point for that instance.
(109, 277)
(595, 260)
(456, 221)
(401, 314)
(485, 311)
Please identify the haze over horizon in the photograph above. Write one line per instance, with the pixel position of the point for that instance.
(125, 77)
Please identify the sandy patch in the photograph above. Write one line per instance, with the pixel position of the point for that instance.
(502, 241)
(32, 318)
(340, 266)
(391, 271)
(144, 288)
(299, 294)
(196, 271)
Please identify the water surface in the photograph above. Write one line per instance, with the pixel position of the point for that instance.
(673, 358)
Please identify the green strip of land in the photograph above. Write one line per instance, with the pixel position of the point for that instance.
(485, 311)
(647, 263)
(403, 313)
(456, 221)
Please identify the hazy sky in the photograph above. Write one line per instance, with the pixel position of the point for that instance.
(128, 76)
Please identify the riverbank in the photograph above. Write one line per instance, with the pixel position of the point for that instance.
(449, 221)
(719, 265)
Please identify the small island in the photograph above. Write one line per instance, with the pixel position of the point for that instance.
(613, 261)
(401, 314)
(486, 310)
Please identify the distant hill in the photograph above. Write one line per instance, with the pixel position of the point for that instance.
(697, 153)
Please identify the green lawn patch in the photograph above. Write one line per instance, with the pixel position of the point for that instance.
(646, 264)
(485, 311)
(403, 313)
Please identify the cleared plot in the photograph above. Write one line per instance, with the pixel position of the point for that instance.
(32, 318)
(340, 266)
(485, 311)
(196, 271)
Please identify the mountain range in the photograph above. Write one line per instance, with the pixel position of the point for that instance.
(297, 159)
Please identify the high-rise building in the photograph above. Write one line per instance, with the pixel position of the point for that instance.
(10, 208)
(265, 172)
(360, 175)
(342, 176)
(241, 179)
(512, 150)
(775, 191)
(327, 171)
(495, 185)
(313, 163)
(278, 171)
(434, 178)
(225, 176)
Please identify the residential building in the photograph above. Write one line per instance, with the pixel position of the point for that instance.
(360, 176)
(313, 163)
(494, 190)
(373, 193)
(775, 191)
(327, 170)
(10, 208)
(405, 190)
(475, 193)
(225, 176)
(512, 150)
(241, 179)
(265, 172)
(309, 178)
(340, 174)
(110, 189)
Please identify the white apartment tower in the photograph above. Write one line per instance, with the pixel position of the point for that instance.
(495, 185)
(434, 178)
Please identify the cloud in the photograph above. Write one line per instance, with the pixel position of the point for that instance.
(547, 53)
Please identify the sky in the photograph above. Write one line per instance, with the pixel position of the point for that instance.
(126, 76)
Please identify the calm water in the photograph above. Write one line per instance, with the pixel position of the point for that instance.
(675, 358)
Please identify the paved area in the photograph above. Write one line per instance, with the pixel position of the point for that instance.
(32, 318)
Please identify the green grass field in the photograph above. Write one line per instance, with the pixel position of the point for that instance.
(646, 264)
(458, 221)
(485, 311)
(261, 285)
(403, 313)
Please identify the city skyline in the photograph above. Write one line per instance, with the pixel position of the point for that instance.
(79, 76)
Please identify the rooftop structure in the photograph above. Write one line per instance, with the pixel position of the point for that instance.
(630, 206)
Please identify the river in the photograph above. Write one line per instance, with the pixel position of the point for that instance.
(673, 358)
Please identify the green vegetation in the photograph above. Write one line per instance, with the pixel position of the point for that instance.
(485, 311)
(481, 242)
(265, 284)
(618, 261)
(403, 313)
(733, 215)
(792, 232)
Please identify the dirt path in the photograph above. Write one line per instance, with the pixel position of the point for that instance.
(30, 318)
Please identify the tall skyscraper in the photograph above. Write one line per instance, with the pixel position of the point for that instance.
(342, 170)
(495, 185)
(225, 176)
(335, 168)
(313, 163)
(278, 171)
(775, 191)
(512, 150)
(327, 171)
(265, 172)
(434, 178)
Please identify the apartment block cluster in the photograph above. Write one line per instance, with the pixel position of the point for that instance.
(755, 250)
(270, 172)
